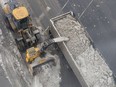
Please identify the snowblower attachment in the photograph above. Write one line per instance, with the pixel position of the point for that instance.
(36, 65)
(36, 57)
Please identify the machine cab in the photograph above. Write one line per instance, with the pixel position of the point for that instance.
(31, 54)
(21, 17)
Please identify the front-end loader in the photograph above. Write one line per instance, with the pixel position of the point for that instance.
(19, 20)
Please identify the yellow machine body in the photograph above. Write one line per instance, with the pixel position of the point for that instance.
(20, 13)
(31, 54)
(34, 59)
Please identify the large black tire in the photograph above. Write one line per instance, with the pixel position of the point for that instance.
(50, 34)
(37, 37)
(20, 45)
(8, 24)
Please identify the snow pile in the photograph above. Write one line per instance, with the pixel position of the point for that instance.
(91, 65)
(49, 76)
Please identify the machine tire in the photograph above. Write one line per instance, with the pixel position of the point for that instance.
(38, 36)
(8, 24)
(50, 34)
(20, 45)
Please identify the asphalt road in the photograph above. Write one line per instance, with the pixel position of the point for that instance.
(97, 16)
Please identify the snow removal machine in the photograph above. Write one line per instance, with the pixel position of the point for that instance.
(37, 56)
(27, 36)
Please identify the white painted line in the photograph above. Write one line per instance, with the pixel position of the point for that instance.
(86, 9)
(65, 5)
